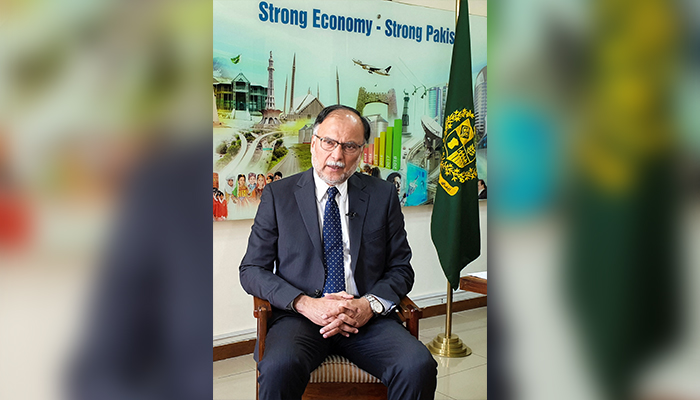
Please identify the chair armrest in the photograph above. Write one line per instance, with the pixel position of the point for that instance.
(260, 307)
(262, 310)
(410, 313)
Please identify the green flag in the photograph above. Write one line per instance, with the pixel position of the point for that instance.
(236, 59)
(455, 221)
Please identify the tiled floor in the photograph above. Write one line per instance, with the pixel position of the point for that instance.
(458, 378)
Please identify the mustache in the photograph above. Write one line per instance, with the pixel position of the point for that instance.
(337, 164)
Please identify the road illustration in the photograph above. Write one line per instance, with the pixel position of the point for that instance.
(289, 164)
(249, 158)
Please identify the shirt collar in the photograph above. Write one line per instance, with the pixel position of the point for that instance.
(322, 188)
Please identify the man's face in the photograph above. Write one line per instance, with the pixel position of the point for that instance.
(335, 167)
(277, 177)
(480, 185)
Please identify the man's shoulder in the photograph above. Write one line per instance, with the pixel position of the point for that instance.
(371, 183)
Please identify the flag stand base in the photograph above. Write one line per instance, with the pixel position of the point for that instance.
(446, 344)
(451, 346)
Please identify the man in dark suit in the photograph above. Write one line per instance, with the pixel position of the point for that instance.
(328, 250)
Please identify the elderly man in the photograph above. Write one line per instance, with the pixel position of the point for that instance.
(328, 250)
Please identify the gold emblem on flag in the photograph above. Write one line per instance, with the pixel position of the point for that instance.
(459, 152)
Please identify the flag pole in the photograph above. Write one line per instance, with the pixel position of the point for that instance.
(446, 344)
(456, 11)
(448, 312)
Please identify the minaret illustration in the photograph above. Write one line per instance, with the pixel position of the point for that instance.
(337, 85)
(294, 70)
(284, 108)
(271, 115)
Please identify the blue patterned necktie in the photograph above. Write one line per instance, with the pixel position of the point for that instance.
(333, 245)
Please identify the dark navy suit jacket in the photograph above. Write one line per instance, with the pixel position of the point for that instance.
(285, 253)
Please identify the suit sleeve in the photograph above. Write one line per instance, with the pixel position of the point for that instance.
(398, 276)
(257, 268)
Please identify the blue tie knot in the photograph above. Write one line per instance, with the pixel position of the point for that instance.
(332, 191)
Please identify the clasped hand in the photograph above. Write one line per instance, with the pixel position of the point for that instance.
(336, 313)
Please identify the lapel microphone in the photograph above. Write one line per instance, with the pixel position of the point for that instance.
(351, 215)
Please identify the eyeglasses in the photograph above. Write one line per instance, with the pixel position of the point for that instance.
(349, 148)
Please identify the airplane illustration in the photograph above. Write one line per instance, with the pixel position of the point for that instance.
(372, 69)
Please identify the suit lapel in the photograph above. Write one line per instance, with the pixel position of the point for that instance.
(306, 201)
(359, 200)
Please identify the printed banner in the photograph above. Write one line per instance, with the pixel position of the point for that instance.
(277, 65)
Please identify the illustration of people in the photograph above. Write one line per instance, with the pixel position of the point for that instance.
(269, 178)
(481, 187)
(223, 206)
(220, 206)
(257, 192)
(229, 188)
(376, 172)
(215, 206)
(395, 178)
(251, 182)
(241, 192)
(278, 175)
(367, 170)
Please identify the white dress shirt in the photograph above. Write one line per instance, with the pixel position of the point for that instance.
(342, 200)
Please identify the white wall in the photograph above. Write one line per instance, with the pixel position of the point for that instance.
(233, 308)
